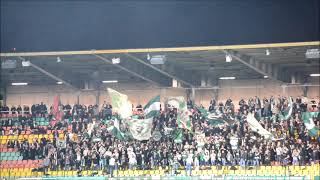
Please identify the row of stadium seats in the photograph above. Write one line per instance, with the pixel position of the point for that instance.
(21, 164)
(4, 148)
(10, 156)
(28, 131)
(27, 172)
(17, 122)
(30, 138)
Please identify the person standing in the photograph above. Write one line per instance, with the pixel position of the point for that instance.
(189, 162)
(112, 163)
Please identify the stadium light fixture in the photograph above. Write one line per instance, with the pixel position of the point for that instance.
(315, 75)
(268, 52)
(19, 84)
(265, 77)
(110, 81)
(25, 63)
(58, 59)
(313, 53)
(228, 58)
(59, 82)
(227, 78)
(115, 60)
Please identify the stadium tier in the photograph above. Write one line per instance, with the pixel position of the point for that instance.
(220, 141)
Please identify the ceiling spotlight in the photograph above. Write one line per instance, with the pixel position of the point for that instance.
(25, 63)
(265, 77)
(59, 82)
(110, 81)
(315, 75)
(228, 58)
(19, 84)
(268, 52)
(115, 60)
(58, 59)
(157, 59)
(226, 78)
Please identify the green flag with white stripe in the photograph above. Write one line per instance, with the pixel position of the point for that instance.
(307, 118)
(152, 109)
(183, 119)
(115, 130)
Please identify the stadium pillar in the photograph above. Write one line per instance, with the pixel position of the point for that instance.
(98, 96)
(305, 91)
(3, 92)
(193, 94)
(213, 82)
(284, 90)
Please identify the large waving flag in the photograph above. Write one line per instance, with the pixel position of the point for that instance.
(214, 119)
(183, 118)
(256, 126)
(140, 128)
(56, 111)
(152, 108)
(307, 118)
(177, 136)
(120, 103)
(115, 130)
(288, 111)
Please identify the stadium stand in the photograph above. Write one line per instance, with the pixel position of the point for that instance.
(39, 145)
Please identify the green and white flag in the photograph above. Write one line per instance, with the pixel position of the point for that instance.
(115, 130)
(214, 119)
(140, 128)
(152, 108)
(256, 126)
(177, 136)
(288, 111)
(183, 118)
(120, 103)
(307, 118)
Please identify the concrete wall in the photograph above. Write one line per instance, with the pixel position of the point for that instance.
(141, 93)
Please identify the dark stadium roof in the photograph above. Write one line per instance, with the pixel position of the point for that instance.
(67, 25)
(97, 31)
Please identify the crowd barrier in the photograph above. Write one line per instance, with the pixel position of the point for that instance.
(264, 172)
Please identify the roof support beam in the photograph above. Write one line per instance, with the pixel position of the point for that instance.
(159, 70)
(262, 68)
(51, 75)
(127, 70)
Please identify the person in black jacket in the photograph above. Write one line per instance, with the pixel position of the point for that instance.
(13, 110)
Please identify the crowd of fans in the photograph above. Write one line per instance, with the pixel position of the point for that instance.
(89, 144)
